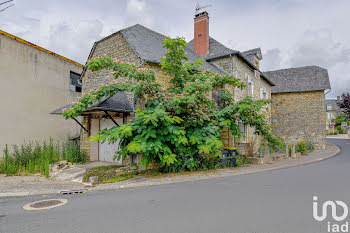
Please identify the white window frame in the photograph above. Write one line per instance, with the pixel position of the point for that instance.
(329, 107)
(250, 86)
(262, 93)
(244, 131)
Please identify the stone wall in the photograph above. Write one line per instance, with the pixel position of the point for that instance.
(300, 116)
(114, 46)
(242, 71)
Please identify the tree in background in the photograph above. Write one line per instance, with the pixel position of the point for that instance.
(180, 128)
(344, 104)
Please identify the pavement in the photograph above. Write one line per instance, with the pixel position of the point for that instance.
(71, 179)
(339, 136)
(271, 201)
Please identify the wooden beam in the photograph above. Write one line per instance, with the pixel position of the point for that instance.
(80, 124)
(125, 118)
(112, 118)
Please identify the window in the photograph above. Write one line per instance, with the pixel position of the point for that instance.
(329, 115)
(75, 82)
(244, 131)
(262, 93)
(217, 94)
(329, 107)
(250, 86)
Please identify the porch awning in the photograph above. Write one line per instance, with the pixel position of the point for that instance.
(117, 103)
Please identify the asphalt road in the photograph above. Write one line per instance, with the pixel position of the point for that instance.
(272, 201)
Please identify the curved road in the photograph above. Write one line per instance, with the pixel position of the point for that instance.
(273, 201)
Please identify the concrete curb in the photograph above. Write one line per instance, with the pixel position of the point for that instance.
(226, 172)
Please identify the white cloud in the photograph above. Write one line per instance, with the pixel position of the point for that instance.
(137, 11)
(318, 47)
(80, 37)
(287, 31)
(271, 59)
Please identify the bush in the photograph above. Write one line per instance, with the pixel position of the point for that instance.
(301, 147)
(310, 145)
(241, 160)
(33, 158)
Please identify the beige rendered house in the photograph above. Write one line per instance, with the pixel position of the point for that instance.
(143, 46)
(33, 82)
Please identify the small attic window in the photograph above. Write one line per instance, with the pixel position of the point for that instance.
(75, 82)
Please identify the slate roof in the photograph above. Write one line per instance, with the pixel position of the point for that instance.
(147, 44)
(215, 48)
(256, 51)
(250, 54)
(300, 79)
(117, 103)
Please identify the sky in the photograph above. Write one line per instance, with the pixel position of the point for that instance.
(290, 33)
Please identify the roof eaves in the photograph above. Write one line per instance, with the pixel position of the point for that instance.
(247, 61)
(39, 48)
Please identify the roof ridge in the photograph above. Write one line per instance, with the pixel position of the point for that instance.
(295, 68)
(124, 29)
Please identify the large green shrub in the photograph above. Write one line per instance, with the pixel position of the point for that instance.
(180, 129)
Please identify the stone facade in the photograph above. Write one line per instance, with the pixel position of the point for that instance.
(116, 46)
(300, 116)
(250, 77)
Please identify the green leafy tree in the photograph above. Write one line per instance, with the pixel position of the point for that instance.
(180, 128)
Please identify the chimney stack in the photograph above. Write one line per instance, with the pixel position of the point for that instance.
(201, 33)
(338, 99)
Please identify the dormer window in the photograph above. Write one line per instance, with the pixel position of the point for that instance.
(329, 107)
(75, 82)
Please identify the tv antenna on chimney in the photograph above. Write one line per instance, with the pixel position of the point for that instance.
(199, 7)
(7, 6)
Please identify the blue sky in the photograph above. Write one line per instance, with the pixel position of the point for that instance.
(290, 32)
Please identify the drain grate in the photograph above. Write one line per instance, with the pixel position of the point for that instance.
(45, 204)
(79, 191)
(42, 204)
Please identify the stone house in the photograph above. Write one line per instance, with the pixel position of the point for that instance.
(298, 107)
(332, 111)
(143, 46)
(33, 82)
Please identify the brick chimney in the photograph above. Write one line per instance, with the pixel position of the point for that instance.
(201, 33)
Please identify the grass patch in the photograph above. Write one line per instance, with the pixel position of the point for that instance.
(34, 158)
(119, 178)
(100, 173)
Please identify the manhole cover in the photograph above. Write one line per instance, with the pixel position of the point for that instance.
(45, 204)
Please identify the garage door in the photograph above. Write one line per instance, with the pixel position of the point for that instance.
(107, 150)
